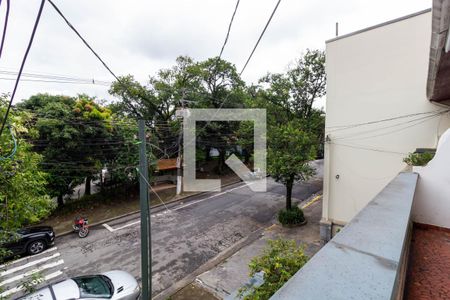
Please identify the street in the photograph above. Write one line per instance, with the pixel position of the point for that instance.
(183, 238)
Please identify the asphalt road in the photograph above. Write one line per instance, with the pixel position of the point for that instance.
(183, 238)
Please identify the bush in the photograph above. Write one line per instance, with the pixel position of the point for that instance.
(279, 261)
(418, 159)
(291, 217)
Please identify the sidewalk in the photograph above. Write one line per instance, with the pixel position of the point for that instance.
(227, 277)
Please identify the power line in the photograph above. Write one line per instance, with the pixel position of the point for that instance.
(4, 27)
(368, 148)
(343, 127)
(92, 50)
(248, 60)
(229, 29)
(394, 131)
(260, 37)
(398, 130)
(57, 77)
(353, 135)
(36, 23)
(84, 41)
(13, 151)
(57, 81)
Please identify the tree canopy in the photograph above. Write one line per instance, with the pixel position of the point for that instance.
(23, 197)
(77, 137)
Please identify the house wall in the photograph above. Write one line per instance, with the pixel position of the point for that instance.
(432, 200)
(372, 75)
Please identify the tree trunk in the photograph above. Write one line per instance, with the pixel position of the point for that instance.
(87, 189)
(246, 156)
(102, 183)
(221, 161)
(289, 185)
(60, 200)
(207, 154)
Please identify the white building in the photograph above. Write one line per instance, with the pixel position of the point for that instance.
(377, 110)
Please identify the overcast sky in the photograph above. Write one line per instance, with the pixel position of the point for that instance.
(139, 37)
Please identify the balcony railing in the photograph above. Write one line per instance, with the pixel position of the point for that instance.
(365, 260)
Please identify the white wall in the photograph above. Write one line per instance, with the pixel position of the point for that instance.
(374, 75)
(432, 198)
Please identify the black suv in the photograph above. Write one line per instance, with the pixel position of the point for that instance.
(31, 240)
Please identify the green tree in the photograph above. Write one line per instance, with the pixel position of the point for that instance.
(308, 81)
(77, 138)
(96, 133)
(157, 101)
(123, 154)
(221, 87)
(295, 127)
(23, 198)
(280, 260)
(56, 139)
(289, 149)
(213, 83)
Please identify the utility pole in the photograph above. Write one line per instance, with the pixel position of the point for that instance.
(180, 157)
(146, 241)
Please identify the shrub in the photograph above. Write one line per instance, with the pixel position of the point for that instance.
(418, 159)
(279, 261)
(291, 216)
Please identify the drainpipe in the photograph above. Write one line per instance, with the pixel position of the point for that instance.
(325, 223)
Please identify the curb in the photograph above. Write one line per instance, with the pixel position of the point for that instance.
(319, 196)
(64, 233)
(177, 286)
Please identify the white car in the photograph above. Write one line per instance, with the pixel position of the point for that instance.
(112, 285)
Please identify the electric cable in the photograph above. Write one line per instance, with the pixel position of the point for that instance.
(368, 148)
(343, 127)
(393, 131)
(93, 52)
(14, 150)
(5, 25)
(229, 29)
(56, 81)
(260, 37)
(54, 77)
(354, 135)
(36, 23)
(243, 69)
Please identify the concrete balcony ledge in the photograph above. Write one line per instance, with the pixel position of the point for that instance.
(365, 259)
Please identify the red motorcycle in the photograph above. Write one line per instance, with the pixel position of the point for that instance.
(81, 225)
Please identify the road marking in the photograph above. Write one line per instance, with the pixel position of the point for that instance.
(162, 213)
(311, 202)
(122, 227)
(108, 227)
(111, 229)
(29, 273)
(213, 196)
(32, 263)
(28, 257)
(19, 288)
(125, 226)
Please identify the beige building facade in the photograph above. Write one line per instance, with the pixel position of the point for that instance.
(377, 111)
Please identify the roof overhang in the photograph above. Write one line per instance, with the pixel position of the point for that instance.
(438, 85)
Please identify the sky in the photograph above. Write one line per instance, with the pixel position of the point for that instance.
(139, 37)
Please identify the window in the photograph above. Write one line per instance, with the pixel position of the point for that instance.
(94, 286)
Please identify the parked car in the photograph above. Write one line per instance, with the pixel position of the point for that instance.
(112, 285)
(31, 240)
